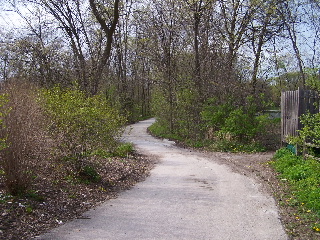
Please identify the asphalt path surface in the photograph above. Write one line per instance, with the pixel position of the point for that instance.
(187, 196)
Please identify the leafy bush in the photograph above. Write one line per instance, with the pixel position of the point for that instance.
(243, 126)
(309, 133)
(24, 132)
(234, 128)
(82, 124)
(122, 150)
(163, 131)
(215, 114)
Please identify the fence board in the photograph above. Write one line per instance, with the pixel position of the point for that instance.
(293, 105)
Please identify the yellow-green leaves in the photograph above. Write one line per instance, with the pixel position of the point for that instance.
(83, 123)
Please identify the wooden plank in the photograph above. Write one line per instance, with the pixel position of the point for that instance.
(293, 105)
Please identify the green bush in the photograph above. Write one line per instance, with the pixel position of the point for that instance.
(235, 146)
(309, 133)
(243, 126)
(159, 129)
(81, 123)
(239, 123)
(215, 114)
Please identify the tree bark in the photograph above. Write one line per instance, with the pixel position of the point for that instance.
(109, 31)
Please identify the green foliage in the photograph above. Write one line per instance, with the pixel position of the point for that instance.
(158, 129)
(311, 128)
(163, 131)
(89, 174)
(313, 78)
(235, 128)
(83, 123)
(229, 121)
(162, 109)
(303, 177)
(243, 126)
(215, 115)
(186, 123)
(229, 126)
(123, 150)
(310, 132)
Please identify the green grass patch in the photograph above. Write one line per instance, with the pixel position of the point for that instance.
(162, 131)
(88, 174)
(303, 177)
(122, 150)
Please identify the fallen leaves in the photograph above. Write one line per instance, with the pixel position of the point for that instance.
(56, 197)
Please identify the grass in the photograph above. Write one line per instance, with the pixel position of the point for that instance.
(162, 131)
(303, 179)
(122, 150)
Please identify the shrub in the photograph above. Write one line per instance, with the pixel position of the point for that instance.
(243, 126)
(82, 124)
(310, 133)
(215, 114)
(239, 123)
(123, 150)
(24, 132)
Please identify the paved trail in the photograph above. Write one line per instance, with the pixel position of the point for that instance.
(186, 197)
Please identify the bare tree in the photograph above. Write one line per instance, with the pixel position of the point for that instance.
(91, 47)
(264, 27)
(289, 12)
(108, 22)
(236, 16)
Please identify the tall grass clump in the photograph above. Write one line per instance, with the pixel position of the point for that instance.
(23, 133)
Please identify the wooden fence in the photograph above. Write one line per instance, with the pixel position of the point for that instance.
(293, 105)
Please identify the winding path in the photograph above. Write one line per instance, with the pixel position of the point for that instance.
(187, 196)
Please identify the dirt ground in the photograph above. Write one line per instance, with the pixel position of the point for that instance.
(54, 201)
(56, 197)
